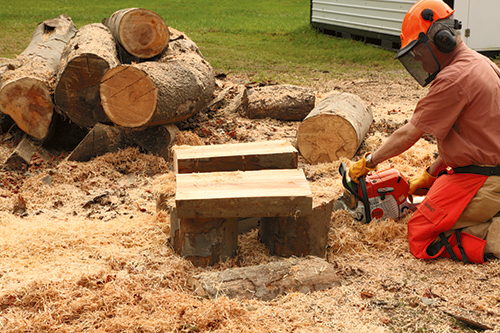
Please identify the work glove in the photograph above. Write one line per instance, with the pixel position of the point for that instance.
(420, 185)
(359, 169)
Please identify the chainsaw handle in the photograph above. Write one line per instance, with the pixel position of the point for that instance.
(364, 191)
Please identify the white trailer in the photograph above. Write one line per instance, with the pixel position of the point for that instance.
(379, 21)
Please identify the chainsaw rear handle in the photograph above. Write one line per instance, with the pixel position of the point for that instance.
(364, 192)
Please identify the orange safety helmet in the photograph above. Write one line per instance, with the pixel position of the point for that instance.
(419, 18)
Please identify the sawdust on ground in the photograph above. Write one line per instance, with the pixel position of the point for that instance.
(83, 247)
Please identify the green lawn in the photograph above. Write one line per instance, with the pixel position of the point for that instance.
(271, 40)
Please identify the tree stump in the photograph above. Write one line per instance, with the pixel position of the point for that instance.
(282, 102)
(155, 93)
(204, 241)
(25, 94)
(298, 236)
(267, 281)
(85, 59)
(335, 128)
(140, 32)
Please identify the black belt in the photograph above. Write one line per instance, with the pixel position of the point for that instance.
(479, 170)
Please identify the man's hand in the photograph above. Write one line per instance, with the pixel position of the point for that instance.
(420, 185)
(360, 168)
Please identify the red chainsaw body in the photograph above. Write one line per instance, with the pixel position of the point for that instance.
(387, 193)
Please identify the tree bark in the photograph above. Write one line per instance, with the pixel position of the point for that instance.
(85, 59)
(140, 32)
(282, 102)
(155, 93)
(267, 281)
(25, 94)
(335, 128)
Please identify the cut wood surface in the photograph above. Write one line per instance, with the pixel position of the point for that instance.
(156, 140)
(140, 32)
(85, 59)
(155, 93)
(335, 128)
(25, 94)
(22, 155)
(100, 140)
(267, 281)
(282, 102)
(277, 154)
(243, 194)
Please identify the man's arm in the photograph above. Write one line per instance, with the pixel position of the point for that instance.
(400, 141)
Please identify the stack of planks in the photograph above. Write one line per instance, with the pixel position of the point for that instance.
(219, 186)
(131, 71)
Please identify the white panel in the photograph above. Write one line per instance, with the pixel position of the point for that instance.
(380, 16)
(481, 18)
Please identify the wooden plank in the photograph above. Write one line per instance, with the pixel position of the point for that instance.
(277, 154)
(259, 193)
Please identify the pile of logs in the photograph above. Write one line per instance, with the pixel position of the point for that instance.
(131, 72)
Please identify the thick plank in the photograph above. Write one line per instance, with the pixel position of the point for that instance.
(243, 194)
(277, 154)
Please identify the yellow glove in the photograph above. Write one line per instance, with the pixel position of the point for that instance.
(420, 185)
(360, 168)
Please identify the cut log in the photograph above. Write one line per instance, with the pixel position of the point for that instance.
(267, 281)
(156, 140)
(24, 152)
(298, 236)
(100, 140)
(140, 32)
(243, 194)
(85, 59)
(155, 93)
(237, 156)
(204, 241)
(335, 128)
(25, 94)
(282, 102)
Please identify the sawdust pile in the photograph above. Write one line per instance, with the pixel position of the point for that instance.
(83, 247)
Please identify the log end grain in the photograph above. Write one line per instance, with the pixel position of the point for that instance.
(326, 138)
(77, 92)
(128, 96)
(29, 103)
(143, 33)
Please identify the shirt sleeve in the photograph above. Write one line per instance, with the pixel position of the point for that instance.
(437, 112)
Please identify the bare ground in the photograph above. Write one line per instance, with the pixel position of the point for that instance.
(83, 247)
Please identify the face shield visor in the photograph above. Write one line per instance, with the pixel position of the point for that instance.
(419, 60)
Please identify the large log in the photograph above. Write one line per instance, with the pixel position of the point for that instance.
(282, 102)
(267, 281)
(85, 59)
(155, 93)
(25, 94)
(140, 32)
(335, 128)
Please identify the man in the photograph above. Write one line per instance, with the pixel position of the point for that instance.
(462, 110)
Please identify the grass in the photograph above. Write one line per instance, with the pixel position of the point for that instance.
(267, 40)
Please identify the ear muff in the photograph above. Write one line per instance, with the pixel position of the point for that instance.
(445, 41)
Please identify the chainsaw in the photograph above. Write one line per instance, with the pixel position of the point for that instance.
(377, 196)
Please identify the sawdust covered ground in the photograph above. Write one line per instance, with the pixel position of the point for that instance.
(83, 247)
